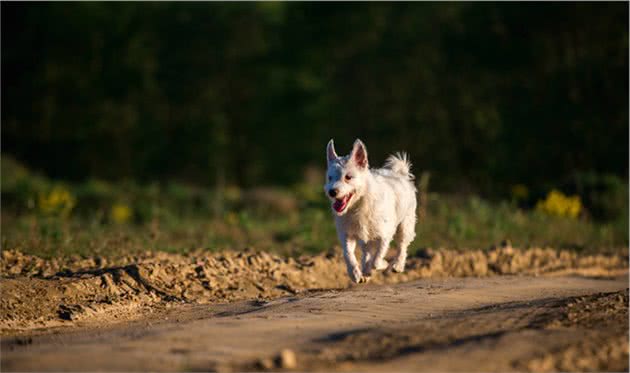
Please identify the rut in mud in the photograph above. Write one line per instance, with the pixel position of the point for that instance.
(40, 293)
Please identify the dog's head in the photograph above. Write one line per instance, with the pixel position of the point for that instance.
(346, 176)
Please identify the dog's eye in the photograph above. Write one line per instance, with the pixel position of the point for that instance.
(348, 177)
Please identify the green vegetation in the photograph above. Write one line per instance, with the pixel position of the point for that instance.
(482, 95)
(184, 125)
(46, 218)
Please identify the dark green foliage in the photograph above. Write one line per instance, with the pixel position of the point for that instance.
(482, 95)
(606, 196)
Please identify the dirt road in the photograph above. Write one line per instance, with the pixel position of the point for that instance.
(500, 323)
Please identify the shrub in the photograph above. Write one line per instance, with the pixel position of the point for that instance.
(605, 195)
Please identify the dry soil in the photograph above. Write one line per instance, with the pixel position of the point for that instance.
(499, 310)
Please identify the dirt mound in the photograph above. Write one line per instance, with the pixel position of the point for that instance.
(42, 293)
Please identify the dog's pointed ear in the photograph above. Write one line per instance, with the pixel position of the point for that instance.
(359, 154)
(331, 155)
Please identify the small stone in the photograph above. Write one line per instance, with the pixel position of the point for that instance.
(287, 359)
(266, 363)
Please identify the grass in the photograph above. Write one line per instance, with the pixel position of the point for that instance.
(292, 234)
(451, 222)
(470, 222)
(99, 218)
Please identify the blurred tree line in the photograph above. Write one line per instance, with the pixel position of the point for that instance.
(483, 95)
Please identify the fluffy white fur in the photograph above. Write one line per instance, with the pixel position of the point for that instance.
(372, 207)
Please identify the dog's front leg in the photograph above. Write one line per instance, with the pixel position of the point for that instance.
(379, 257)
(349, 246)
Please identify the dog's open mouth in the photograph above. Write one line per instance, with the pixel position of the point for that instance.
(340, 204)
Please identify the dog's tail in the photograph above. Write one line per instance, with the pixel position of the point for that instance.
(399, 163)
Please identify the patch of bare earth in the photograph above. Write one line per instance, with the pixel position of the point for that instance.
(38, 293)
(604, 317)
(483, 324)
(574, 334)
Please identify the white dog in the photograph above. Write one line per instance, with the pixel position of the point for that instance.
(371, 207)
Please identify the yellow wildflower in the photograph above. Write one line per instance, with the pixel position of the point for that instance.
(559, 204)
(59, 201)
(120, 213)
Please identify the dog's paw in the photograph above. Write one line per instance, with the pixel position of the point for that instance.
(380, 265)
(361, 280)
(356, 276)
(398, 266)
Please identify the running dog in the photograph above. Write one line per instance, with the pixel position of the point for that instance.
(372, 207)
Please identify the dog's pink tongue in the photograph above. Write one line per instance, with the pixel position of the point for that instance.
(339, 204)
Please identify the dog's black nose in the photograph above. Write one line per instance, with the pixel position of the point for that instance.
(332, 192)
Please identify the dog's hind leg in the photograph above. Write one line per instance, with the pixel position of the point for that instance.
(366, 260)
(404, 235)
